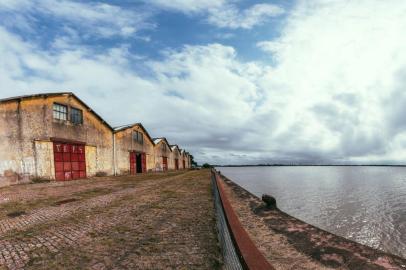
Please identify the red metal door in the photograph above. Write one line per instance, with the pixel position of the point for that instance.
(133, 163)
(165, 163)
(70, 161)
(134, 156)
(144, 162)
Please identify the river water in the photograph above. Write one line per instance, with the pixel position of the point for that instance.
(364, 204)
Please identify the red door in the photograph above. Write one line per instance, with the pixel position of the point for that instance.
(133, 163)
(70, 161)
(144, 162)
(184, 164)
(141, 160)
(165, 163)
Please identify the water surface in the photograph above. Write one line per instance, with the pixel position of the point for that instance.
(365, 204)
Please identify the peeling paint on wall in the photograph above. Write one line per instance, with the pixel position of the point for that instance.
(44, 160)
(91, 160)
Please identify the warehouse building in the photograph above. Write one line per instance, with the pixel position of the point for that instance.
(175, 157)
(53, 136)
(183, 158)
(162, 152)
(57, 136)
(134, 150)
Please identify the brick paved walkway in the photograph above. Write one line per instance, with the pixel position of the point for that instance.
(141, 222)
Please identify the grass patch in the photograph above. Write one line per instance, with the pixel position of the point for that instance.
(92, 192)
(16, 206)
(38, 180)
(77, 259)
(171, 194)
(58, 203)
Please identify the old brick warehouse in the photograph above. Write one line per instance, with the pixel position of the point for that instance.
(57, 136)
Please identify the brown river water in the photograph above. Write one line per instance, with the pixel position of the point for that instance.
(366, 204)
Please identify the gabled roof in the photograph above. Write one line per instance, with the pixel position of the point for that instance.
(174, 147)
(158, 140)
(56, 94)
(125, 127)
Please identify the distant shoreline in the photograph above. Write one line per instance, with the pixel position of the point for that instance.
(312, 165)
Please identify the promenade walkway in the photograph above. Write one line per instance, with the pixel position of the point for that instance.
(151, 221)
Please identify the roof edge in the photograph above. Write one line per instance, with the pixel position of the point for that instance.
(55, 94)
(125, 127)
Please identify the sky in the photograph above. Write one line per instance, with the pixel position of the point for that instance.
(230, 81)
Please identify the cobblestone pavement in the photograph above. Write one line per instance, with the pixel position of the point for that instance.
(161, 221)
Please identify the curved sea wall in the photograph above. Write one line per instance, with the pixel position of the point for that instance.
(289, 243)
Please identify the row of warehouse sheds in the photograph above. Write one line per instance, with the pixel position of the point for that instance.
(57, 136)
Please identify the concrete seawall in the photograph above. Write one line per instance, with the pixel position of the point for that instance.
(289, 243)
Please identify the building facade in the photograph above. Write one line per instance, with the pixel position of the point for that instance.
(163, 153)
(176, 158)
(57, 136)
(134, 150)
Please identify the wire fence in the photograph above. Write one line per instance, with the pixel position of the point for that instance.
(230, 257)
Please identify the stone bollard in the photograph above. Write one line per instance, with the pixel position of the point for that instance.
(269, 201)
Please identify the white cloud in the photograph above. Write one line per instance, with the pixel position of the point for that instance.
(230, 17)
(182, 101)
(100, 19)
(334, 90)
(224, 13)
(269, 46)
(188, 6)
(336, 67)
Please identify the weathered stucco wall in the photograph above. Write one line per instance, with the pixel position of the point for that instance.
(188, 162)
(183, 160)
(93, 132)
(26, 127)
(159, 153)
(125, 144)
(175, 154)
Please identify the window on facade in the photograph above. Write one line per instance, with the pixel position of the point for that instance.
(138, 137)
(76, 116)
(164, 147)
(60, 112)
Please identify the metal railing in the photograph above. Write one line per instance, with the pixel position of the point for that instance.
(230, 257)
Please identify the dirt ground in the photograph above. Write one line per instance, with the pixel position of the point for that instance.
(151, 221)
(289, 243)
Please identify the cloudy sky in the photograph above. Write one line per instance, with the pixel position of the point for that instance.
(232, 81)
